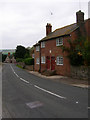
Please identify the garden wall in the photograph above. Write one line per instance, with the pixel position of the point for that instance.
(29, 67)
(82, 72)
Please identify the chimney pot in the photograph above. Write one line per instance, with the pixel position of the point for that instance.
(79, 17)
(48, 28)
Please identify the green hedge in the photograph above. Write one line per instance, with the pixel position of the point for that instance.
(29, 61)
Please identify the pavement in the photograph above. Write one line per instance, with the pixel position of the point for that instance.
(63, 79)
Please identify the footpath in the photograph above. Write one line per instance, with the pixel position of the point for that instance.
(65, 80)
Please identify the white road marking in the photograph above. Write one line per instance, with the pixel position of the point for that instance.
(34, 104)
(24, 80)
(16, 75)
(76, 102)
(88, 107)
(50, 92)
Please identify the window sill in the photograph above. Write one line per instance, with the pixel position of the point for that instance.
(59, 64)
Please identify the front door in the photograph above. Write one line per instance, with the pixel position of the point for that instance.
(52, 63)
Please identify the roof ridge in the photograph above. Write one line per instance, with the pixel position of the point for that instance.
(64, 27)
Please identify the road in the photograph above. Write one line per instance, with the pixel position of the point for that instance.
(0, 90)
(25, 95)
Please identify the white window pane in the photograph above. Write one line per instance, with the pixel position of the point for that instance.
(59, 60)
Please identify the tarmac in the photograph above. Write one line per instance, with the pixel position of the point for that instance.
(63, 79)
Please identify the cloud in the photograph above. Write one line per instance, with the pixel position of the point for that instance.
(23, 22)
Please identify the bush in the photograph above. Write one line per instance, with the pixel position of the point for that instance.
(19, 60)
(75, 59)
(29, 61)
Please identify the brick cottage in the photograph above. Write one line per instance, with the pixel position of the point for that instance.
(48, 53)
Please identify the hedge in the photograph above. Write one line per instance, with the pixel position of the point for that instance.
(29, 61)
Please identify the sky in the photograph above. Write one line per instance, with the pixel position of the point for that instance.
(23, 22)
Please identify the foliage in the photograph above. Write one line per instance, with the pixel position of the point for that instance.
(31, 50)
(29, 61)
(21, 52)
(19, 66)
(3, 57)
(20, 60)
(78, 51)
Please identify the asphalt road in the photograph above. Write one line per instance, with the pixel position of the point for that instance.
(0, 90)
(27, 96)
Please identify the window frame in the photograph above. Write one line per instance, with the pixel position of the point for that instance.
(43, 44)
(43, 60)
(37, 61)
(59, 41)
(59, 60)
(37, 48)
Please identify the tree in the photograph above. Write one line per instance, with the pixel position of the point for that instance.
(31, 50)
(21, 52)
(78, 52)
(3, 57)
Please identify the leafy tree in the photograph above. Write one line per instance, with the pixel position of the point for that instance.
(3, 57)
(31, 50)
(78, 52)
(21, 52)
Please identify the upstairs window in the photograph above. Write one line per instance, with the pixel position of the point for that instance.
(37, 61)
(37, 48)
(59, 60)
(42, 44)
(43, 59)
(59, 41)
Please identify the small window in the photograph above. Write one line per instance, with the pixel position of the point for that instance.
(43, 59)
(37, 61)
(33, 55)
(59, 60)
(59, 41)
(42, 44)
(37, 48)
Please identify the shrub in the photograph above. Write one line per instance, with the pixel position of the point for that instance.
(19, 60)
(29, 61)
(75, 59)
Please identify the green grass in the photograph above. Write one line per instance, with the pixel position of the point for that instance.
(19, 66)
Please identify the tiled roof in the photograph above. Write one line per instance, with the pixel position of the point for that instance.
(36, 44)
(61, 31)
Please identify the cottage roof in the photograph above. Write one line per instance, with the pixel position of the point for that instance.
(61, 32)
(36, 44)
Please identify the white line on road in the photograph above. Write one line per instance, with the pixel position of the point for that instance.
(50, 92)
(88, 107)
(16, 75)
(24, 80)
(39, 87)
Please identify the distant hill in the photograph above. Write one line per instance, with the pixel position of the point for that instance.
(6, 51)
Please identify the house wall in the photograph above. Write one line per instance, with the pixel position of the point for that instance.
(64, 69)
(87, 27)
(36, 66)
(56, 51)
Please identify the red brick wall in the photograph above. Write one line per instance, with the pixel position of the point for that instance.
(56, 51)
(87, 27)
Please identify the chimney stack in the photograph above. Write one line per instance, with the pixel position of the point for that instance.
(79, 17)
(48, 28)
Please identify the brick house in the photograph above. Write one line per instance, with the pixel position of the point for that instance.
(49, 55)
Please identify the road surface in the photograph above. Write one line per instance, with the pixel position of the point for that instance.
(25, 95)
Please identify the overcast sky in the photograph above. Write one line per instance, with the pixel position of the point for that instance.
(23, 22)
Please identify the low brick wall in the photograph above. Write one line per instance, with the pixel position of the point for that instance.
(82, 72)
(22, 64)
(29, 67)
